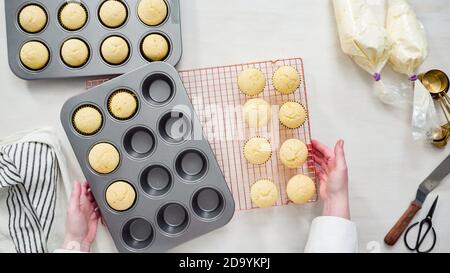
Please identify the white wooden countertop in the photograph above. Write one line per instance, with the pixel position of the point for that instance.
(385, 164)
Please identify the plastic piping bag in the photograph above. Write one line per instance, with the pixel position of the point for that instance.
(409, 50)
(364, 38)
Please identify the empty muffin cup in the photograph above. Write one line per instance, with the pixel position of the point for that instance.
(173, 218)
(208, 203)
(137, 233)
(156, 180)
(191, 165)
(158, 89)
(175, 127)
(139, 142)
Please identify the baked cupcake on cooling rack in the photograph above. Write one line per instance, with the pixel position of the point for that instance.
(257, 150)
(292, 114)
(251, 82)
(264, 193)
(286, 80)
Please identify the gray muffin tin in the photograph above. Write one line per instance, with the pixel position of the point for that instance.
(181, 191)
(93, 34)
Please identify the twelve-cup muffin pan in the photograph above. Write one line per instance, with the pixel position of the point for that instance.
(93, 33)
(180, 190)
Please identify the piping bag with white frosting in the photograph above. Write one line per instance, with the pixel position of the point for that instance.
(409, 50)
(364, 38)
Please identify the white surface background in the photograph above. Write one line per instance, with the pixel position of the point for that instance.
(385, 164)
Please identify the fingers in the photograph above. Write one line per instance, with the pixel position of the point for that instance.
(75, 197)
(321, 162)
(340, 155)
(84, 188)
(92, 229)
(323, 149)
(90, 197)
(322, 177)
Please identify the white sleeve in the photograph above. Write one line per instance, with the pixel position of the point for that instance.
(332, 234)
(67, 251)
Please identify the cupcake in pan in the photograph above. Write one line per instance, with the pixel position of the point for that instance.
(115, 50)
(120, 196)
(113, 13)
(87, 120)
(73, 16)
(34, 55)
(33, 18)
(104, 158)
(155, 47)
(152, 12)
(75, 52)
(123, 104)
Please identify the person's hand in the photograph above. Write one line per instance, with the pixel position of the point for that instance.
(82, 219)
(333, 177)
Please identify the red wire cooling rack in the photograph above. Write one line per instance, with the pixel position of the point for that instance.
(218, 102)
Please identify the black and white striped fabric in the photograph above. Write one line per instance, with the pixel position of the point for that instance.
(29, 172)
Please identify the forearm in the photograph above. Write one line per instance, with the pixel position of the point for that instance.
(337, 205)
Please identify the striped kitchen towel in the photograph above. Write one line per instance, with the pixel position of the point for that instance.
(29, 172)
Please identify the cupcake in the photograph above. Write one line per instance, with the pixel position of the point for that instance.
(152, 12)
(123, 104)
(73, 16)
(104, 158)
(292, 114)
(257, 150)
(155, 47)
(115, 50)
(32, 18)
(264, 193)
(120, 196)
(75, 53)
(87, 120)
(257, 113)
(34, 55)
(286, 80)
(251, 82)
(113, 13)
(293, 153)
(300, 189)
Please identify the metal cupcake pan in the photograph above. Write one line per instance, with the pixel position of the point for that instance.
(181, 191)
(93, 34)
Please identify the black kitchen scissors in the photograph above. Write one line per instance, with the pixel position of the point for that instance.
(425, 230)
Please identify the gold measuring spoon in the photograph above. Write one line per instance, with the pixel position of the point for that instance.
(437, 83)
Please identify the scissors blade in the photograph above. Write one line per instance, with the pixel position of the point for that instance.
(433, 180)
(433, 207)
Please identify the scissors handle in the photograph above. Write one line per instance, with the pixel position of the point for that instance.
(421, 235)
(402, 223)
